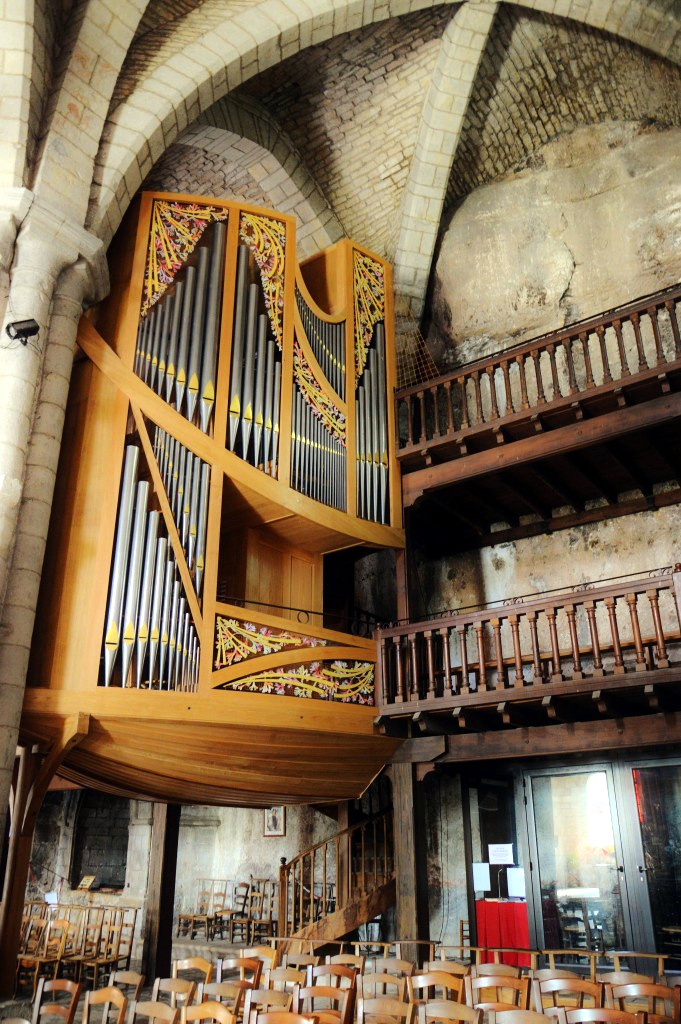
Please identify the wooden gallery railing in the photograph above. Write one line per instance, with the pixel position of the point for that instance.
(622, 348)
(336, 872)
(591, 634)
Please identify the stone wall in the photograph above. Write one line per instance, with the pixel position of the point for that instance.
(594, 222)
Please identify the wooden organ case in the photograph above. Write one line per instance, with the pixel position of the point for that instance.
(230, 422)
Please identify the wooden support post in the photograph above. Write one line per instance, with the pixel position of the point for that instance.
(342, 879)
(158, 928)
(411, 914)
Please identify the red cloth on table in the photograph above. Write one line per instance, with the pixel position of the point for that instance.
(503, 924)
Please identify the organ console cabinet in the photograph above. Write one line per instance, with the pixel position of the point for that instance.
(230, 422)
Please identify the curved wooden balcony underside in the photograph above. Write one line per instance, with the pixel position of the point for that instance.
(241, 749)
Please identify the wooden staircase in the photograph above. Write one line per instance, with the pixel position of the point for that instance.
(345, 881)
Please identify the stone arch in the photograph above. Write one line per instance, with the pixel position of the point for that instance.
(173, 95)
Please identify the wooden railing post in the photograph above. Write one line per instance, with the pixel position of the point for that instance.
(283, 924)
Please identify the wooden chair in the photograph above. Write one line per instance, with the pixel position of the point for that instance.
(422, 987)
(300, 960)
(602, 1015)
(624, 978)
(261, 1000)
(661, 1003)
(329, 1005)
(548, 995)
(195, 964)
(262, 914)
(518, 1017)
(189, 922)
(509, 993)
(448, 967)
(153, 1012)
(108, 955)
(247, 968)
(384, 1010)
(88, 948)
(128, 980)
(433, 1010)
(238, 908)
(230, 993)
(499, 970)
(212, 1011)
(393, 965)
(105, 997)
(283, 979)
(339, 975)
(47, 1004)
(546, 973)
(348, 960)
(268, 954)
(284, 1017)
(371, 985)
(180, 991)
(45, 962)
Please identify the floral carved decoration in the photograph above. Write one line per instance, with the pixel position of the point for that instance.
(236, 641)
(350, 682)
(176, 229)
(369, 302)
(318, 400)
(266, 238)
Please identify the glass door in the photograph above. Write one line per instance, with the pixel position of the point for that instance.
(577, 872)
(653, 791)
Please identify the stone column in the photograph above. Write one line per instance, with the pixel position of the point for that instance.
(56, 267)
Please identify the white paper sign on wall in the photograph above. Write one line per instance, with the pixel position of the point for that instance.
(501, 853)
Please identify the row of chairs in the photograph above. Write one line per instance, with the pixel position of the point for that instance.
(81, 943)
(245, 913)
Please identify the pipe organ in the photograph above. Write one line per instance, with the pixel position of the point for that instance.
(242, 406)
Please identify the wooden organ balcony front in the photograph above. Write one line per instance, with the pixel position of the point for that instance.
(229, 424)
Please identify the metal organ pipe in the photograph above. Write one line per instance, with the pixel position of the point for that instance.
(212, 333)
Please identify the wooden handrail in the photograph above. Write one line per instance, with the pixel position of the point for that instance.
(327, 876)
(542, 374)
(589, 633)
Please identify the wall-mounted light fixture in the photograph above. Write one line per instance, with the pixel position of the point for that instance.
(22, 330)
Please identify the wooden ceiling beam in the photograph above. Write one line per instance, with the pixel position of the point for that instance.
(547, 479)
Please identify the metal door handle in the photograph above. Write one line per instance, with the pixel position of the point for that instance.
(642, 870)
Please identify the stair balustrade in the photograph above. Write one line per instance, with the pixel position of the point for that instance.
(339, 871)
(609, 356)
(561, 641)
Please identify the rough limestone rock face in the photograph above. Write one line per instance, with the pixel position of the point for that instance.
(595, 221)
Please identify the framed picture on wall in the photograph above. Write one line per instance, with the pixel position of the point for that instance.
(274, 823)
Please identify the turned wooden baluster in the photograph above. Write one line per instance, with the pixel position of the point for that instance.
(430, 663)
(501, 675)
(642, 361)
(461, 381)
(436, 412)
(446, 657)
(450, 411)
(654, 598)
(400, 687)
(551, 349)
(607, 376)
(652, 313)
(538, 676)
(590, 608)
(572, 377)
(572, 626)
(410, 420)
(670, 306)
(414, 667)
(619, 668)
(422, 409)
(520, 360)
(465, 682)
(536, 362)
(507, 389)
(482, 666)
(556, 672)
(478, 396)
(312, 907)
(583, 337)
(517, 655)
(631, 600)
(385, 684)
(494, 410)
(625, 371)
